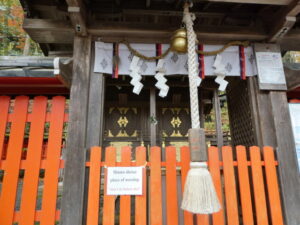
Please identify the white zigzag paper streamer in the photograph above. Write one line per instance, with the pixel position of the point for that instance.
(135, 75)
(220, 71)
(198, 80)
(161, 80)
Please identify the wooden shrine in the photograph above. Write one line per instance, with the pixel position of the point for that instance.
(103, 111)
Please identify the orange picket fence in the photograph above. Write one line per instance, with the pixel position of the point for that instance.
(31, 140)
(247, 188)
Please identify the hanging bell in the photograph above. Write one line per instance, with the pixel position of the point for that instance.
(179, 41)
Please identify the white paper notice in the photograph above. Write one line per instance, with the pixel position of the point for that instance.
(295, 117)
(124, 181)
(270, 68)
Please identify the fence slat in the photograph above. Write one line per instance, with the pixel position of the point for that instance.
(109, 200)
(94, 187)
(37, 216)
(14, 151)
(155, 187)
(244, 185)
(125, 208)
(230, 187)
(141, 201)
(171, 187)
(214, 168)
(272, 184)
(53, 161)
(4, 106)
(185, 166)
(33, 161)
(258, 186)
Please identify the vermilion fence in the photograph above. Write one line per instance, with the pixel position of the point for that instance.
(247, 188)
(31, 134)
(31, 138)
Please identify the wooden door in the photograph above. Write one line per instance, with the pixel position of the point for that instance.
(173, 126)
(126, 126)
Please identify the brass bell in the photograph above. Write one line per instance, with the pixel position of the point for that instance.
(179, 41)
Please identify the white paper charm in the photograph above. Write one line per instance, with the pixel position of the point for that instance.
(220, 71)
(161, 65)
(161, 80)
(135, 75)
(198, 81)
(223, 83)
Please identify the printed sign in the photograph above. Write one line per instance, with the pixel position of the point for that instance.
(270, 71)
(124, 181)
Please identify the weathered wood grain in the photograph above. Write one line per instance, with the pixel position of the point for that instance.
(95, 106)
(266, 2)
(287, 159)
(73, 192)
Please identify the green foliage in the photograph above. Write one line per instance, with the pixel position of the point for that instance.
(12, 36)
(210, 119)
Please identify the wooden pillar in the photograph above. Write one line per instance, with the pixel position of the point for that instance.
(272, 124)
(94, 132)
(74, 172)
(273, 128)
(287, 158)
(153, 132)
(218, 121)
(95, 107)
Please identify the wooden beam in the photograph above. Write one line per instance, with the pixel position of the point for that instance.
(151, 33)
(163, 13)
(285, 21)
(265, 2)
(64, 71)
(49, 31)
(78, 13)
(61, 32)
(74, 173)
(291, 41)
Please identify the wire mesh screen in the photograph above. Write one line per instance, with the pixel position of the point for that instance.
(239, 110)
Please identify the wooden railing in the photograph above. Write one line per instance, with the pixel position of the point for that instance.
(30, 158)
(246, 184)
(247, 188)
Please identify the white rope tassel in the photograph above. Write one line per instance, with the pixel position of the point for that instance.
(199, 191)
(192, 67)
(135, 75)
(198, 196)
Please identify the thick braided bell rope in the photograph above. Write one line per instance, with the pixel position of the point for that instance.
(192, 66)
